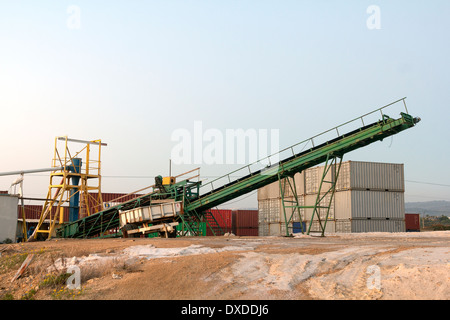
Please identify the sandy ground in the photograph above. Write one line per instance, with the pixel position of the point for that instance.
(372, 266)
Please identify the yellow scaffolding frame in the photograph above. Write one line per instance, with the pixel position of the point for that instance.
(59, 193)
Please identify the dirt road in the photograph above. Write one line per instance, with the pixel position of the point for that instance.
(339, 266)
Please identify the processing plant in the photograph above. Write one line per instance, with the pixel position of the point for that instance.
(178, 205)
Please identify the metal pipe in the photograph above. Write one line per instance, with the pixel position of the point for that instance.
(10, 173)
(81, 141)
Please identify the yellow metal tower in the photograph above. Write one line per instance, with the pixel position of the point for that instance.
(77, 185)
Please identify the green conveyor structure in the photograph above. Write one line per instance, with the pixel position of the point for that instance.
(198, 198)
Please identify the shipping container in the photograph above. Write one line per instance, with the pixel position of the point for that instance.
(245, 222)
(223, 221)
(353, 175)
(263, 211)
(290, 228)
(369, 225)
(289, 202)
(263, 229)
(330, 226)
(358, 175)
(354, 204)
(325, 201)
(274, 210)
(33, 212)
(269, 217)
(298, 227)
(274, 229)
(271, 211)
(313, 179)
(279, 229)
(300, 183)
(272, 191)
(289, 184)
(412, 222)
(378, 225)
(8, 217)
(343, 225)
(269, 229)
(272, 219)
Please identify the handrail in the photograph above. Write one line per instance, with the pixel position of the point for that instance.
(311, 139)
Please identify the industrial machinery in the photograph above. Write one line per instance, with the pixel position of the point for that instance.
(191, 200)
(160, 215)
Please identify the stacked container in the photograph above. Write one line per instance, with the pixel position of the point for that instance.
(223, 221)
(245, 222)
(238, 222)
(369, 197)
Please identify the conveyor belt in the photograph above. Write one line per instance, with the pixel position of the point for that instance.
(100, 222)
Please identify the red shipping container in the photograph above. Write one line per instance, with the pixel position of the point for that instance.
(412, 222)
(223, 218)
(245, 222)
(33, 212)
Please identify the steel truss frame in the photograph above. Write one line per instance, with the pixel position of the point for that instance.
(333, 164)
(68, 169)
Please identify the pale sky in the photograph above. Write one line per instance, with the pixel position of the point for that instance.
(132, 72)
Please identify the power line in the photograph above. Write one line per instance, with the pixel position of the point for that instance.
(430, 183)
(212, 177)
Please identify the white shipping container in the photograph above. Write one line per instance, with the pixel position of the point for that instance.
(353, 175)
(279, 229)
(263, 229)
(310, 200)
(300, 183)
(263, 211)
(371, 176)
(272, 191)
(313, 179)
(8, 217)
(283, 228)
(274, 210)
(274, 229)
(288, 207)
(369, 204)
(330, 226)
(269, 211)
(378, 225)
(343, 226)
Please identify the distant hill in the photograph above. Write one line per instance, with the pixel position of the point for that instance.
(431, 208)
